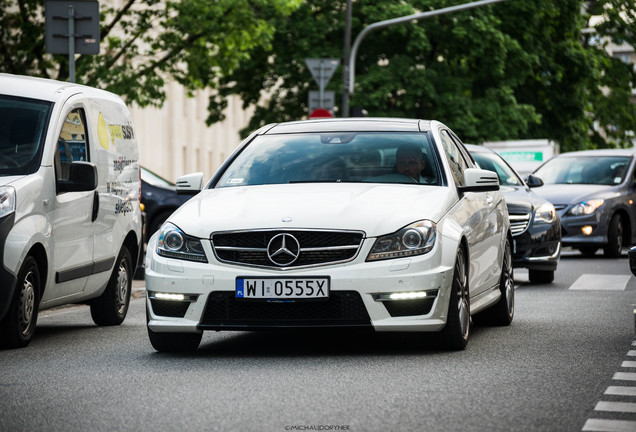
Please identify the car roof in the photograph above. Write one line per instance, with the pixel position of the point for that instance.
(601, 152)
(357, 124)
(44, 89)
(479, 148)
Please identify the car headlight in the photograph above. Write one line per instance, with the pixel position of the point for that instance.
(545, 214)
(415, 239)
(173, 243)
(586, 207)
(7, 200)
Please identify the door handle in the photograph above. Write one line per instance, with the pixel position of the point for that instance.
(95, 207)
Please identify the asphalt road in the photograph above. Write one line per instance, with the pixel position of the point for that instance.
(549, 371)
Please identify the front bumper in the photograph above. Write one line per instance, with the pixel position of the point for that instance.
(8, 279)
(358, 295)
(571, 228)
(538, 248)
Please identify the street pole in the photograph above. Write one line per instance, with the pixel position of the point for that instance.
(345, 69)
(71, 43)
(381, 24)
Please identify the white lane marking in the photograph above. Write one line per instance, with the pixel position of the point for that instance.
(599, 425)
(600, 282)
(625, 407)
(621, 391)
(625, 376)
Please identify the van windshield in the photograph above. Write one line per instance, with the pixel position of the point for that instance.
(22, 131)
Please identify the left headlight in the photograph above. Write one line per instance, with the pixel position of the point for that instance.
(415, 239)
(586, 207)
(7, 200)
(545, 214)
(174, 243)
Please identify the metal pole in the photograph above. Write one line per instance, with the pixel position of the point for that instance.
(414, 17)
(71, 44)
(345, 69)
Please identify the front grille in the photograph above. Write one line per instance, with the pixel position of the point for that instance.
(519, 223)
(224, 311)
(314, 247)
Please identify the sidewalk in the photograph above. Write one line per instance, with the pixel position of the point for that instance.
(138, 288)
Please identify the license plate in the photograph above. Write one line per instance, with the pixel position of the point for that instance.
(292, 288)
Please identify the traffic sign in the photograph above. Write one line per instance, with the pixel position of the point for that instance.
(82, 30)
(320, 113)
(322, 69)
(328, 100)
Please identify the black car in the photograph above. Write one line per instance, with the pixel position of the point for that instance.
(535, 224)
(160, 200)
(594, 193)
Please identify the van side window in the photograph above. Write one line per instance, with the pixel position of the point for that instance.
(455, 158)
(72, 144)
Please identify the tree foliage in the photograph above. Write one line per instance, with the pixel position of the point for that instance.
(146, 42)
(511, 70)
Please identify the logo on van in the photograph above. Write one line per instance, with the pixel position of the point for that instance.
(102, 132)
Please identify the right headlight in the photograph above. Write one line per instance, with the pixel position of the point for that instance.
(415, 239)
(7, 200)
(586, 207)
(174, 243)
(545, 214)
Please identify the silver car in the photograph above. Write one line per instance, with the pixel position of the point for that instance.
(594, 194)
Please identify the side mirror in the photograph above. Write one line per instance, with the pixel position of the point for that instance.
(190, 184)
(479, 180)
(82, 177)
(533, 181)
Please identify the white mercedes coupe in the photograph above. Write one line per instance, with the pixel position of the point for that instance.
(362, 222)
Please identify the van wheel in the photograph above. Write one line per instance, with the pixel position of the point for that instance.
(18, 326)
(174, 342)
(111, 307)
(456, 332)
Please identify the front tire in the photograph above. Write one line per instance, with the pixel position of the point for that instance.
(111, 307)
(174, 342)
(541, 276)
(502, 313)
(18, 326)
(456, 332)
(614, 238)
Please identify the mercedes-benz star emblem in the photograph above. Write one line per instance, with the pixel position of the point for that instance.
(283, 249)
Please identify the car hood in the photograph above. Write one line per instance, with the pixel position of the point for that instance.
(572, 193)
(521, 200)
(372, 208)
(7, 180)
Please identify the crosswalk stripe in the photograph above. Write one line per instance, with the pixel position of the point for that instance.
(626, 376)
(628, 364)
(631, 353)
(621, 391)
(600, 282)
(625, 407)
(600, 425)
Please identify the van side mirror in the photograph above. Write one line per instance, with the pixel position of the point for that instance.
(479, 180)
(82, 177)
(533, 181)
(190, 184)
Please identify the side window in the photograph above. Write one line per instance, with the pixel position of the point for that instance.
(72, 143)
(455, 158)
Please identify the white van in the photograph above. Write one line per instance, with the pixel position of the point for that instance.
(70, 223)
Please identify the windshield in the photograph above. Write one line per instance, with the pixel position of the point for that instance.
(22, 131)
(493, 162)
(379, 157)
(601, 170)
(155, 180)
